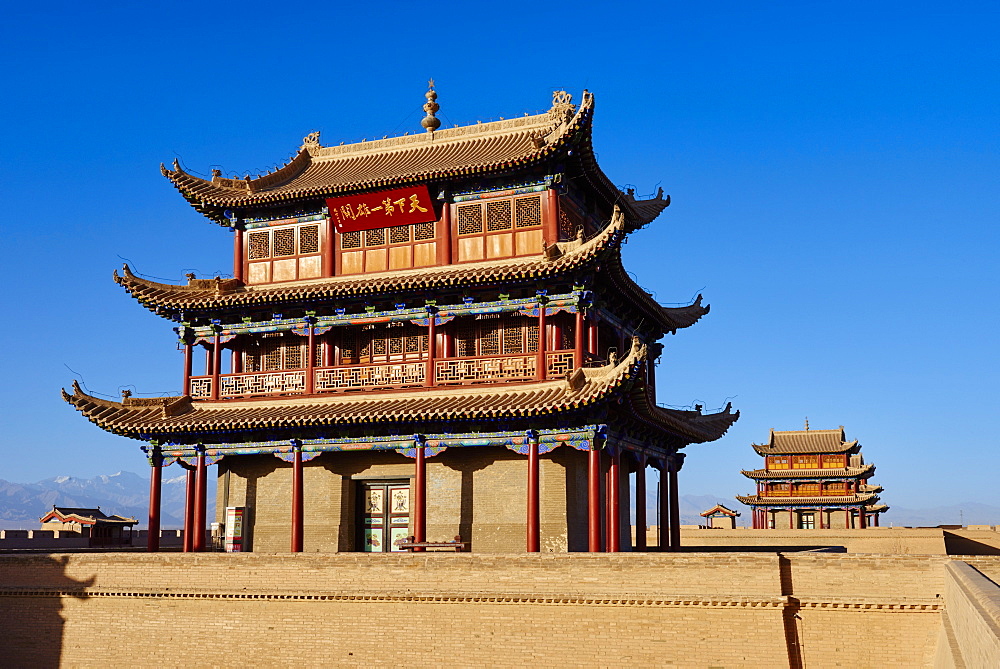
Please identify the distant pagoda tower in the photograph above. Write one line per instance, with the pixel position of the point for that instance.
(813, 479)
(424, 336)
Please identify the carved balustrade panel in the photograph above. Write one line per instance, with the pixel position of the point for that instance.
(371, 376)
(485, 370)
(200, 387)
(268, 383)
(558, 364)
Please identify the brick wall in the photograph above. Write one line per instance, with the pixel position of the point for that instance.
(724, 610)
(476, 493)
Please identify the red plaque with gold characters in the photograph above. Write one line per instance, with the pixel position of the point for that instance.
(381, 209)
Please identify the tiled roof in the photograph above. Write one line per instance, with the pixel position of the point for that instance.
(758, 500)
(848, 472)
(722, 509)
(694, 426)
(806, 441)
(581, 388)
(318, 171)
(85, 516)
(210, 294)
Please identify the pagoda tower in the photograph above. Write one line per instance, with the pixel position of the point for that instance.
(424, 336)
(813, 479)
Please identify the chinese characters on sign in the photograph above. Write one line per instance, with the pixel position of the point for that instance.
(381, 209)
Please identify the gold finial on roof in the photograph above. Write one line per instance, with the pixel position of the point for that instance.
(807, 423)
(431, 122)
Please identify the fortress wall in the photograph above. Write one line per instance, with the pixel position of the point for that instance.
(974, 615)
(727, 610)
(879, 540)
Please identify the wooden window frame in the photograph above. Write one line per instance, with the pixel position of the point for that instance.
(459, 241)
(271, 258)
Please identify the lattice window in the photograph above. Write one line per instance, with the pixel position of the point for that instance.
(274, 352)
(260, 245)
(284, 242)
(375, 237)
(513, 340)
(527, 212)
(470, 219)
(498, 215)
(399, 234)
(531, 338)
(465, 339)
(567, 229)
(423, 231)
(309, 239)
(351, 240)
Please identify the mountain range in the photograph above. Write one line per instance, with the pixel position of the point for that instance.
(127, 494)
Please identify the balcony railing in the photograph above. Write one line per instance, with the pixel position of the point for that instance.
(447, 371)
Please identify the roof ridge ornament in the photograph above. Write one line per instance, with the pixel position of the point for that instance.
(562, 107)
(431, 122)
(311, 140)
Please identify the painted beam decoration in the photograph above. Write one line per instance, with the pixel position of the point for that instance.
(381, 209)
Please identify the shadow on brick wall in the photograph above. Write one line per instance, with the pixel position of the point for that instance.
(31, 620)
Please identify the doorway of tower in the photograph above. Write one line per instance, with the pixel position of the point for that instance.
(385, 515)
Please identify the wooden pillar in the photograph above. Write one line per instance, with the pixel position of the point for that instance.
(187, 369)
(664, 507)
(594, 500)
(420, 497)
(328, 250)
(542, 371)
(675, 510)
(875, 519)
(189, 486)
(862, 519)
(820, 514)
(614, 502)
(311, 360)
(200, 494)
(431, 348)
(444, 236)
(552, 220)
(847, 519)
(592, 324)
(237, 253)
(578, 339)
(534, 518)
(791, 519)
(216, 360)
(297, 522)
(155, 486)
(640, 504)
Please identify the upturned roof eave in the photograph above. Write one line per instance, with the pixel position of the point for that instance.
(183, 419)
(207, 295)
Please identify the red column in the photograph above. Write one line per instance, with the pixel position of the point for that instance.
(420, 497)
(189, 486)
(328, 250)
(216, 359)
(431, 348)
(592, 335)
(614, 502)
(664, 507)
(238, 254)
(675, 511)
(534, 519)
(311, 360)
(552, 220)
(640, 504)
(155, 479)
(791, 519)
(542, 370)
(820, 513)
(443, 249)
(578, 339)
(297, 498)
(200, 493)
(847, 519)
(594, 500)
(875, 519)
(187, 369)
(861, 518)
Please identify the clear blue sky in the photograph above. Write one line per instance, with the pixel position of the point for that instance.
(833, 166)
